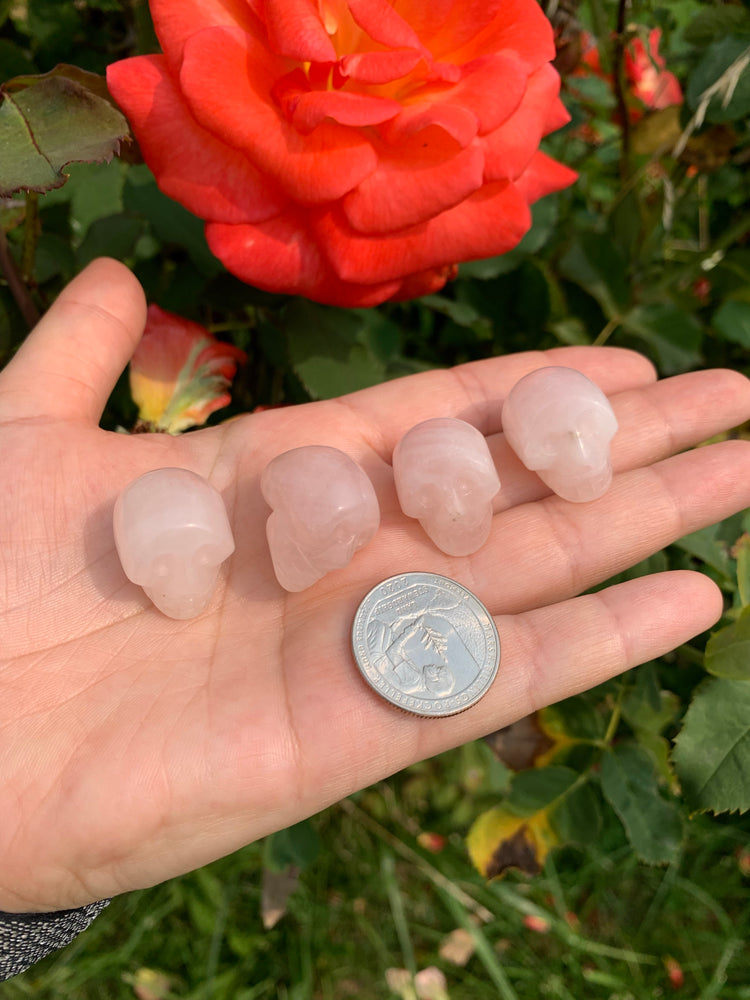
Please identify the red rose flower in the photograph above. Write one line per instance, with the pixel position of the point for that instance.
(180, 373)
(349, 150)
(653, 86)
(645, 69)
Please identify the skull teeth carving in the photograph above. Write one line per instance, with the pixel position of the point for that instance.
(172, 534)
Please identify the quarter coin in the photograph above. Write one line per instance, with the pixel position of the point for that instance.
(426, 644)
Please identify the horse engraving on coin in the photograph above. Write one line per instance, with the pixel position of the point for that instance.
(426, 644)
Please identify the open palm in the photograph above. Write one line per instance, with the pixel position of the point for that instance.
(135, 747)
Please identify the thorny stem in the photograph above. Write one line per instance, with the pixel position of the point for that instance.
(18, 288)
(618, 72)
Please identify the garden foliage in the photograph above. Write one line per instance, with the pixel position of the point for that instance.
(648, 249)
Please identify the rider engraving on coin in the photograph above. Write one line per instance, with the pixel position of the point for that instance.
(426, 644)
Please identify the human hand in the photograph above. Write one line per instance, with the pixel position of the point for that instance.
(135, 747)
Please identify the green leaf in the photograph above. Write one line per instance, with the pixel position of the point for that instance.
(674, 335)
(732, 321)
(577, 817)
(170, 222)
(298, 845)
(742, 554)
(733, 101)
(13, 59)
(534, 789)
(728, 650)
(648, 710)
(714, 22)
(330, 349)
(593, 262)
(47, 122)
(653, 825)
(706, 545)
(712, 752)
(113, 236)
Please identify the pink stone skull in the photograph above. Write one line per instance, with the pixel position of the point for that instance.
(172, 535)
(446, 479)
(560, 424)
(324, 510)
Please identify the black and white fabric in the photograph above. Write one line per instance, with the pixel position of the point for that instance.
(27, 937)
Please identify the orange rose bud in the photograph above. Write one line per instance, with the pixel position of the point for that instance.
(180, 373)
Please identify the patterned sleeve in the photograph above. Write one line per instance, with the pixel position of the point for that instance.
(27, 937)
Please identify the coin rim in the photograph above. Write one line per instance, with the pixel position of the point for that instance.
(409, 711)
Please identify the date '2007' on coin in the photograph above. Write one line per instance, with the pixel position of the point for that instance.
(426, 644)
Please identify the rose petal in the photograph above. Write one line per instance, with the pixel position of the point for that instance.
(210, 179)
(515, 25)
(344, 107)
(295, 30)
(280, 256)
(544, 176)
(510, 147)
(227, 78)
(176, 22)
(490, 222)
(458, 122)
(416, 181)
(492, 87)
(385, 25)
(379, 67)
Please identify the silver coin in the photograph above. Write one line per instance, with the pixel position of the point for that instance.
(426, 644)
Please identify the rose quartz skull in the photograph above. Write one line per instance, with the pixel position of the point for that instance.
(446, 479)
(324, 510)
(172, 535)
(560, 425)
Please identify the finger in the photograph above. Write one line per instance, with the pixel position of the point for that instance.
(655, 421)
(551, 549)
(546, 655)
(552, 653)
(474, 392)
(70, 362)
(565, 548)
